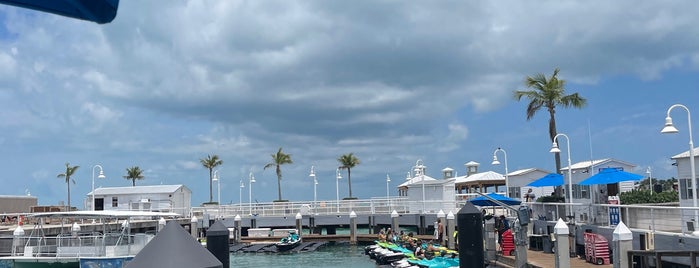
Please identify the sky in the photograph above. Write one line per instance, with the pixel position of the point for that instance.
(169, 82)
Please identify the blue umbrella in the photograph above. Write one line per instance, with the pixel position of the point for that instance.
(100, 11)
(551, 179)
(483, 202)
(610, 175)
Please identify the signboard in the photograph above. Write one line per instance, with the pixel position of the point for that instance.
(614, 212)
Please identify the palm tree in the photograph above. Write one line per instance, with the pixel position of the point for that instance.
(348, 161)
(549, 93)
(210, 162)
(133, 174)
(279, 159)
(69, 172)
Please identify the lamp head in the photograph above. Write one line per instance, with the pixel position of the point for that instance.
(554, 148)
(242, 184)
(669, 127)
(495, 160)
(101, 175)
(388, 179)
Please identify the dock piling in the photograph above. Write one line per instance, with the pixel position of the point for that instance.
(562, 255)
(450, 230)
(623, 242)
(237, 224)
(394, 222)
(353, 227)
(299, 226)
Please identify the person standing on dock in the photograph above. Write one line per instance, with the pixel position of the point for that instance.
(440, 231)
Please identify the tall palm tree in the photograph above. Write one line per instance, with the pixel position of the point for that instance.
(69, 172)
(210, 162)
(279, 159)
(134, 173)
(348, 161)
(549, 93)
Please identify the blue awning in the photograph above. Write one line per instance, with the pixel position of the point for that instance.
(610, 175)
(99, 11)
(551, 179)
(483, 201)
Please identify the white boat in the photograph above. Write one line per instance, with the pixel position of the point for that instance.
(76, 248)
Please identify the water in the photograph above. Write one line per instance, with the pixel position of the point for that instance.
(340, 255)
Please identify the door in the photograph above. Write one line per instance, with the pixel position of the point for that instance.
(99, 203)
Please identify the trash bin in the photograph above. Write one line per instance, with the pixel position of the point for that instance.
(547, 244)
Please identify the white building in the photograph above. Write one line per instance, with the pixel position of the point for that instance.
(426, 194)
(518, 180)
(162, 198)
(684, 172)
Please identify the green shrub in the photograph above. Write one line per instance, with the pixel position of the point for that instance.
(645, 197)
(551, 199)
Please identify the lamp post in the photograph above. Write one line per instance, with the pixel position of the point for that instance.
(388, 179)
(100, 176)
(555, 149)
(337, 188)
(670, 128)
(218, 186)
(388, 194)
(496, 162)
(650, 179)
(419, 170)
(240, 194)
(315, 183)
(251, 180)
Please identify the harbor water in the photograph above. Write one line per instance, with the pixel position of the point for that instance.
(340, 255)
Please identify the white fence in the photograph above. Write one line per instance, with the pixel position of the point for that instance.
(665, 217)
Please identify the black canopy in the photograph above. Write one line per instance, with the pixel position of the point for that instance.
(173, 247)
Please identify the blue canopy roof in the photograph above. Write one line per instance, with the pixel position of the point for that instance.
(610, 175)
(483, 201)
(99, 11)
(551, 179)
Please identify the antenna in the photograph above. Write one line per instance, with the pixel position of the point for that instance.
(589, 136)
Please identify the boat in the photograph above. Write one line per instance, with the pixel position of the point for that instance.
(289, 242)
(109, 243)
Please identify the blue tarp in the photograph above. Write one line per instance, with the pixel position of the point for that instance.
(610, 175)
(483, 202)
(552, 179)
(99, 11)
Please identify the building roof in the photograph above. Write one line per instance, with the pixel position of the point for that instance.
(598, 162)
(685, 154)
(525, 171)
(472, 164)
(417, 179)
(148, 189)
(488, 176)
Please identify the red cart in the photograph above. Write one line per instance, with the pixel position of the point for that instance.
(596, 249)
(508, 243)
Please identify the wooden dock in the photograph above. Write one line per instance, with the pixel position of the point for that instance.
(546, 260)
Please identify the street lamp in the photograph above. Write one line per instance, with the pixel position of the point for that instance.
(338, 176)
(650, 179)
(100, 176)
(388, 179)
(554, 149)
(251, 180)
(315, 183)
(240, 194)
(670, 128)
(419, 170)
(218, 185)
(496, 162)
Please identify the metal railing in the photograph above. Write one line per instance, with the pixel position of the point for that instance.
(664, 217)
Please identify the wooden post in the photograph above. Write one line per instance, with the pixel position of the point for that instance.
(193, 227)
(394, 222)
(450, 230)
(562, 255)
(623, 242)
(298, 224)
(353, 227)
(238, 226)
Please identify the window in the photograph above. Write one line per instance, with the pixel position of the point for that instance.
(685, 189)
(581, 191)
(515, 192)
(115, 201)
